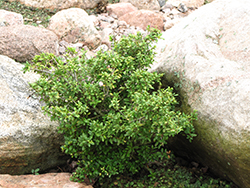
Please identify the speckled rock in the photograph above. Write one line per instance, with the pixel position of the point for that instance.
(162, 2)
(144, 4)
(143, 18)
(8, 18)
(207, 54)
(119, 9)
(74, 25)
(23, 42)
(28, 139)
(49, 180)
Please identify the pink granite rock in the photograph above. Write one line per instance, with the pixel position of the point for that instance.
(10, 18)
(143, 18)
(50, 180)
(119, 9)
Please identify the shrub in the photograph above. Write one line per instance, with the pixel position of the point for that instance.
(113, 119)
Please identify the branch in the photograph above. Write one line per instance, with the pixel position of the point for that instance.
(48, 72)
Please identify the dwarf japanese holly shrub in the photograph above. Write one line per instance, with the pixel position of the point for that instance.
(113, 119)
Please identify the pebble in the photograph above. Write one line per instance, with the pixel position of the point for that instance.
(110, 25)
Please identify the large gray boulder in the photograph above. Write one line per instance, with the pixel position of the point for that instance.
(207, 57)
(28, 139)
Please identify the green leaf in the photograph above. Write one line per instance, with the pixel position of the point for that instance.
(113, 113)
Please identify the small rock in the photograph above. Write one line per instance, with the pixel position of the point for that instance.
(166, 10)
(168, 6)
(74, 25)
(170, 23)
(188, 3)
(195, 164)
(175, 12)
(120, 9)
(122, 24)
(94, 19)
(90, 54)
(8, 18)
(103, 47)
(114, 26)
(23, 42)
(181, 162)
(61, 50)
(28, 139)
(63, 43)
(182, 8)
(59, 4)
(77, 46)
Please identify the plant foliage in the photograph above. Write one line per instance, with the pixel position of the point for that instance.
(113, 119)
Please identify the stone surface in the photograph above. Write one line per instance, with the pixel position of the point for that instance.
(208, 55)
(59, 4)
(171, 23)
(117, 28)
(22, 164)
(208, 1)
(50, 180)
(143, 18)
(188, 3)
(162, 2)
(74, 25)
(23, 42)
(28, 139)
(144, 4)
(63, 45)
(8, 18)
(105, 33)
(119, 9)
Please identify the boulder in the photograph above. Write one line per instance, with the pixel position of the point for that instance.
(59, 4)
(170, 23)
(143, 18)
(105, 33)
(188, 3)
(207, 58)
(10, 18)
(23, 42)
(119, 9)
(74, 25)
(162, 2)
(144, 4)
(28, 139)
(50, 180)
